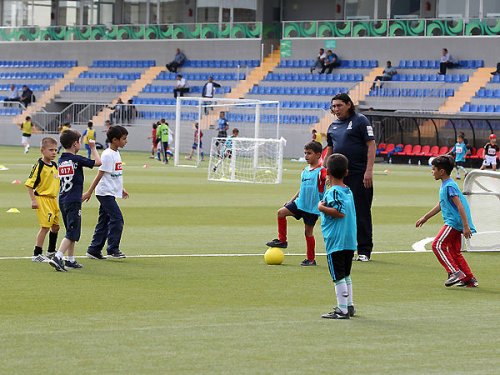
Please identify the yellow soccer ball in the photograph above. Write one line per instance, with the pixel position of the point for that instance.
(274, 256)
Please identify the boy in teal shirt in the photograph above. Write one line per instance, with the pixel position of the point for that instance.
(460, 151)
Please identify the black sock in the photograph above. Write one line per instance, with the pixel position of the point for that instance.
(52, 242)
(38, 250)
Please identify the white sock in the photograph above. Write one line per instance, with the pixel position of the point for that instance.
(59, 254)
(71, 259)
(348, 281)
(342, 294)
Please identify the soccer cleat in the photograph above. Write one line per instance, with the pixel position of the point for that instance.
(277, 243)
(117, 255)
(363, 258)
(455, 278)
(307, 262)
(336, 314)
(95, 256)
(351, 310)
(472, 283)
(51, 255)
(57, 264)
(73, 264)
(40, 258)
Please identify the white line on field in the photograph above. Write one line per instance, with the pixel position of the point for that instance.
(215, 255)
(419, 246)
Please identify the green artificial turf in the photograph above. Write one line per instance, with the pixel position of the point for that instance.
(234, 314)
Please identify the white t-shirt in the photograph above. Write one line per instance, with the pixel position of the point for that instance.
(112, 181)
(209, 90)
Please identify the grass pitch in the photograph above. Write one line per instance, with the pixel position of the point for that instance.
(233, 314)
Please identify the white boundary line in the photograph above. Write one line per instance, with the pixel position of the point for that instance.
(217, 255)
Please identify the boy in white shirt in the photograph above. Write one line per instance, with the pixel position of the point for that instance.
(108, 185)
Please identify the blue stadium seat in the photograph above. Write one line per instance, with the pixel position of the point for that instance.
(465, 108)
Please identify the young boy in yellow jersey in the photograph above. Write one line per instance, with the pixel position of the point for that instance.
(43, 187)
(88, 134)
(26, 130)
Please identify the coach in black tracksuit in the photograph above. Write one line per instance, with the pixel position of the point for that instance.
(352, 135)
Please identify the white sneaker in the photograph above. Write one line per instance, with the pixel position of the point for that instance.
(40, 258)
(26, 149)
(363, 258)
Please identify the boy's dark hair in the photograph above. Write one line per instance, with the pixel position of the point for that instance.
(90, 124)
(314, 146)
(346, 99)
(236, 131)
(445, 162)
(116, 131)
(337, 165)
(155, 125)
(28, 118)
(461, 136)
(68, 137)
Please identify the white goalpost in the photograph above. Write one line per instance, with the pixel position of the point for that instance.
(482, 190)
(253, 118)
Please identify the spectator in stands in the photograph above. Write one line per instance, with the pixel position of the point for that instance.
(331, 61)
(446, 62)
(178, 61)
(180, 86)
(387, 74)
(130, 112)
(118, 114)
(352, 135)
(320, 60)
(13, 95)
(496, 71)
(27, 96)
(208, 91)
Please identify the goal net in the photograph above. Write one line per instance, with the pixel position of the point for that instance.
(253, 118)
(252, 160)
(482, 189)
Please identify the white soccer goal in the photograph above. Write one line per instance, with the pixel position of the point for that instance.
(482, 190)
(253, 118)
(252, 160)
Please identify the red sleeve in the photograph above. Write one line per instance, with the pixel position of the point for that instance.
(322, 180)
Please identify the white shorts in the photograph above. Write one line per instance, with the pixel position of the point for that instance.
(489, 160)
(25, 140)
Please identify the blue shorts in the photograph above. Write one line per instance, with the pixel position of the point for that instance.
(309, 218)
(71, 213)
(195, 145)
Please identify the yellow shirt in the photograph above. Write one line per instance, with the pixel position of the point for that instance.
(64, 127)
(319, 138)
(90, 134)
(44, 179)
(26, 127)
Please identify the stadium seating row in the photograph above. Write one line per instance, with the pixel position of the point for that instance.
(458, 78)
(165, 76)
(487, 108)
(39, 64)
(419, 150)
(103, 75)
(487, 93)
(320, 91)
(305, 105)
(31, 75)
(495, 78)
(221, 63)
(314, 77)
(95, 88)
(10, 111)
(352, 64)
(436, 93)
(434, 64)
(123, 63)
(37, 87)
(170, 89)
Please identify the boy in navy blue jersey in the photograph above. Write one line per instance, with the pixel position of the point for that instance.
(447, 245)
(70, 170)
(304, 204)
(338, 224)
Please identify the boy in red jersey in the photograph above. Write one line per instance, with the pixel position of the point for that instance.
(304, 204)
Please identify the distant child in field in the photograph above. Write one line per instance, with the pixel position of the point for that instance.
(26, 129)
(316, 136)
(197, 132)
(455, 210)
(88, 134)
(222, 127)
(43, 187)
(460, 151)
(226, 151)
(108, 185)
(70, 196)
(338, 224)
(154, 140)
(162, 135)
(304, 204)
(65, 126)
(490, 153)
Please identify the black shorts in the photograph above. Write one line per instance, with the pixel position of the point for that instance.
(309, 219)
(222, 134)
(340, 263)
(72, 217)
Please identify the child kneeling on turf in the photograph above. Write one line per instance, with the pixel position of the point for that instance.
(338, 224)
(304, 204)
(455, 210)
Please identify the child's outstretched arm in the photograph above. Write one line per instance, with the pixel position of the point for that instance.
(463, 216)
(86, 196)
(330, 211)
(436, 209)
(95, 154)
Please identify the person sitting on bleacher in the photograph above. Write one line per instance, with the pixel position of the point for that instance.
(320, 60)
(445, 62)
(180, 86)
(13, 95)
(27, 96)
(496, 71)
(331, 61)
(178, 61)
(387, 75)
